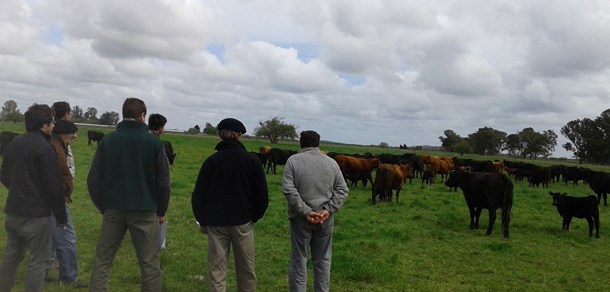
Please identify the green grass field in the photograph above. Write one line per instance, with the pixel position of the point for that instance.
(422, 243)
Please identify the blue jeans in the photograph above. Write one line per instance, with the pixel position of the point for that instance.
(319, 238)
(34, 234)
(64, 248)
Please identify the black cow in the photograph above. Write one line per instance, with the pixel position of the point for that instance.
(599, 182)
(485, 191)
(542, 175)
(94, 136)
(278, 157)
(579, 207)
(5, 138)
(169, 151)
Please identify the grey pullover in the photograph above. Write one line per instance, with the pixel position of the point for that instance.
(313, 181)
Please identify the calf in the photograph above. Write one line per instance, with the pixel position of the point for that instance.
(485, 191)
(579, 207)
(94, 136)
(169, 152)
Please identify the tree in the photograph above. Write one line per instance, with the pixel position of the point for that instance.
(109, 118)
(462, 147)
(90, 114)
(534, 144)
(10, 112)
(384, 145)
(209, 129)
(512, 145)
(275, 129)
(450, 140)
(77, 113)
(589, 138)
(486, 141)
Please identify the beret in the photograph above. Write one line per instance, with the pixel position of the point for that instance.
(231, 124)
(64, 127)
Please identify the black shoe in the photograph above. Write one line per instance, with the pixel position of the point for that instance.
(49, 279)
(76, 284)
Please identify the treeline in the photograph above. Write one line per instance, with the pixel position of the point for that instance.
(11, 113)
(589, 141)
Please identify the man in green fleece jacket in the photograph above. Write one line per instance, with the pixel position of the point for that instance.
(315, 190)
(129, 184)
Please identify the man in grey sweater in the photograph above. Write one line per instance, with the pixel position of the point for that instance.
(315, 190)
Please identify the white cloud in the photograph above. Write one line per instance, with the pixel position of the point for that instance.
(357, 71)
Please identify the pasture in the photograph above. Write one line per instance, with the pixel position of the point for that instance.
(421, 244)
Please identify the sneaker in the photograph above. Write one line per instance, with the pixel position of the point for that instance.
(76, 284)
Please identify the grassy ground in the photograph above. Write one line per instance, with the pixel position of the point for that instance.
(422, 243)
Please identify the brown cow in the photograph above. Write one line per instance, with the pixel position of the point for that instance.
(356, 169)
(442, 166)
(264, 153)
(390, 177)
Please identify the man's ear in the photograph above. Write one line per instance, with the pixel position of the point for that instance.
(143, 118)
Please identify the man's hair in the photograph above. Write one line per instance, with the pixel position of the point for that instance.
(36, 116)
(310, 139)
(133, 108)
(226, 134)
(156, 121)
(61, 108)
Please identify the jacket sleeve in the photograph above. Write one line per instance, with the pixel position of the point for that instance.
(340, 193)
(52, 179)
(293, 197)
(261, 193)
(163, 183)
(197, 198)
(95, 180)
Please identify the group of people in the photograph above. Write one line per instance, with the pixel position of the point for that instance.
(129, 184)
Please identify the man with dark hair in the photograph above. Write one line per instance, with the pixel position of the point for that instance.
(129, 184)
(62, 110)
(315, 190)
(30, 173)
(156, 124)
(230, 196)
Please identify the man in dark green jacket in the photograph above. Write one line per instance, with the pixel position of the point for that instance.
(129, 184)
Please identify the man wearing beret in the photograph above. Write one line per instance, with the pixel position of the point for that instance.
(229, 197)
(30, 173)
(64, 239)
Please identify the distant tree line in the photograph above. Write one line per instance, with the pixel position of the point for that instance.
(11, 113)
(526, 143)
(274, 129)
(589, 141)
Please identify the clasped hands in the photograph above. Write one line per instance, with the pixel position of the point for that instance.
(318, 217)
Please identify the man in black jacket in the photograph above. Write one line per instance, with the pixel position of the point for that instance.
(31, 174)
(229, 197)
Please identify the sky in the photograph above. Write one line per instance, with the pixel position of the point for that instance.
(357, 71)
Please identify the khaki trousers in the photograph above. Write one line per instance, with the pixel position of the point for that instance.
(144, 230)
(220, 240)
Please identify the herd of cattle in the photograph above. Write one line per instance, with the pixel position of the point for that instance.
(486, 184)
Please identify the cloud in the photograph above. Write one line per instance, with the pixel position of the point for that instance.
(357, 71)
